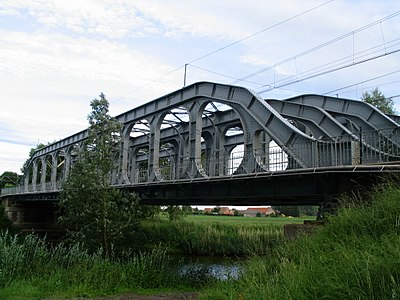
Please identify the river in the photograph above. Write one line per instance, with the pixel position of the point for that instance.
(220, 268)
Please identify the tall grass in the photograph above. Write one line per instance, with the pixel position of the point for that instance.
(355, 256)
(212, 238)
(29, 268)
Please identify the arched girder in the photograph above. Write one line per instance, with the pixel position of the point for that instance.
(365, 116)
(315, 118)
(248, 103)
(347, 107)
(237, 97)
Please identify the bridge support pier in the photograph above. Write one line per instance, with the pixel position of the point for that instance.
(37, 216)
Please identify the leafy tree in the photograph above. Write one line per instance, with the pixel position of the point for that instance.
(236, 212)
(175, 212)
(196, 211)
(31, 152)
(216, 209)
(308, 210)
(377, 99)
(288, 210)
(93, 212)
(9, 179)
(187, 209)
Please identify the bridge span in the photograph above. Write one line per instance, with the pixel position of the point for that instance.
(210, 143)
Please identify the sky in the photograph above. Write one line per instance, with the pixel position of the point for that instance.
(56, 56)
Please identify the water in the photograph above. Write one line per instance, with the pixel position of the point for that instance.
(207, 266)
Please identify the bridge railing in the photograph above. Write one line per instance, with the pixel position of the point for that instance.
(32, 188)
(368, 147)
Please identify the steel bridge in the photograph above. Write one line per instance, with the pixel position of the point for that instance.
(210, 143)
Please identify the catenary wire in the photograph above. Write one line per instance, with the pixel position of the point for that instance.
(223, 48)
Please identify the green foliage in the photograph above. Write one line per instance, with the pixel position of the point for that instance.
(9, 179)
(31, 269)
(377, 99)
(93, 212)
(297, 211)
(241, 221)
(216, 209)
(288, 210)
(176, 212)
(211, 238)
(354, 256)
(31, 152)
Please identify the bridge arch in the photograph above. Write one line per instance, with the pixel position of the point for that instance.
(170, 143)
(135, 138)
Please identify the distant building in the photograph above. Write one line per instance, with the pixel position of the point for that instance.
(225, 211)
(208, 211)
(261, 211)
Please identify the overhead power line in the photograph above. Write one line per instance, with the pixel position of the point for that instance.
(261, 31)
(222, 48)
(329, 71)
(223, 75)
(318, 47)
(350, 60)
(361, 82)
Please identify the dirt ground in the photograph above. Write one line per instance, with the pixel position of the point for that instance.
(131, 296)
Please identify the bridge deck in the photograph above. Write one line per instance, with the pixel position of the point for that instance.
(310, 186)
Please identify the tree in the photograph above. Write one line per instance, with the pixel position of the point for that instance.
(31, 152)
(377, 99)
(187, 209)
(93, 212)
(216, 209)
(9, 179)
(308, 210)
(175, 212)
(288, 210)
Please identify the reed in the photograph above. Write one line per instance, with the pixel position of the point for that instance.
(31, 269)
(212, 238)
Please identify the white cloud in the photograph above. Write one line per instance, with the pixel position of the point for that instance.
(49, 80)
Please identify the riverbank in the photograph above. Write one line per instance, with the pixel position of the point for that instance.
(133, 296)
(355, 255)
(30, 269)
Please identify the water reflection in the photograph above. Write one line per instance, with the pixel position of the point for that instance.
(205, 266)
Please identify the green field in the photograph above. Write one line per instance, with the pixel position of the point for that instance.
(247, 221)
(216, 235)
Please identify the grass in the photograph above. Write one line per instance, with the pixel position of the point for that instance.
(213, 235)
(29, 269)
(242, 221)
(354, 256)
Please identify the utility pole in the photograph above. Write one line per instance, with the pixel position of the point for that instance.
(184, 76)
